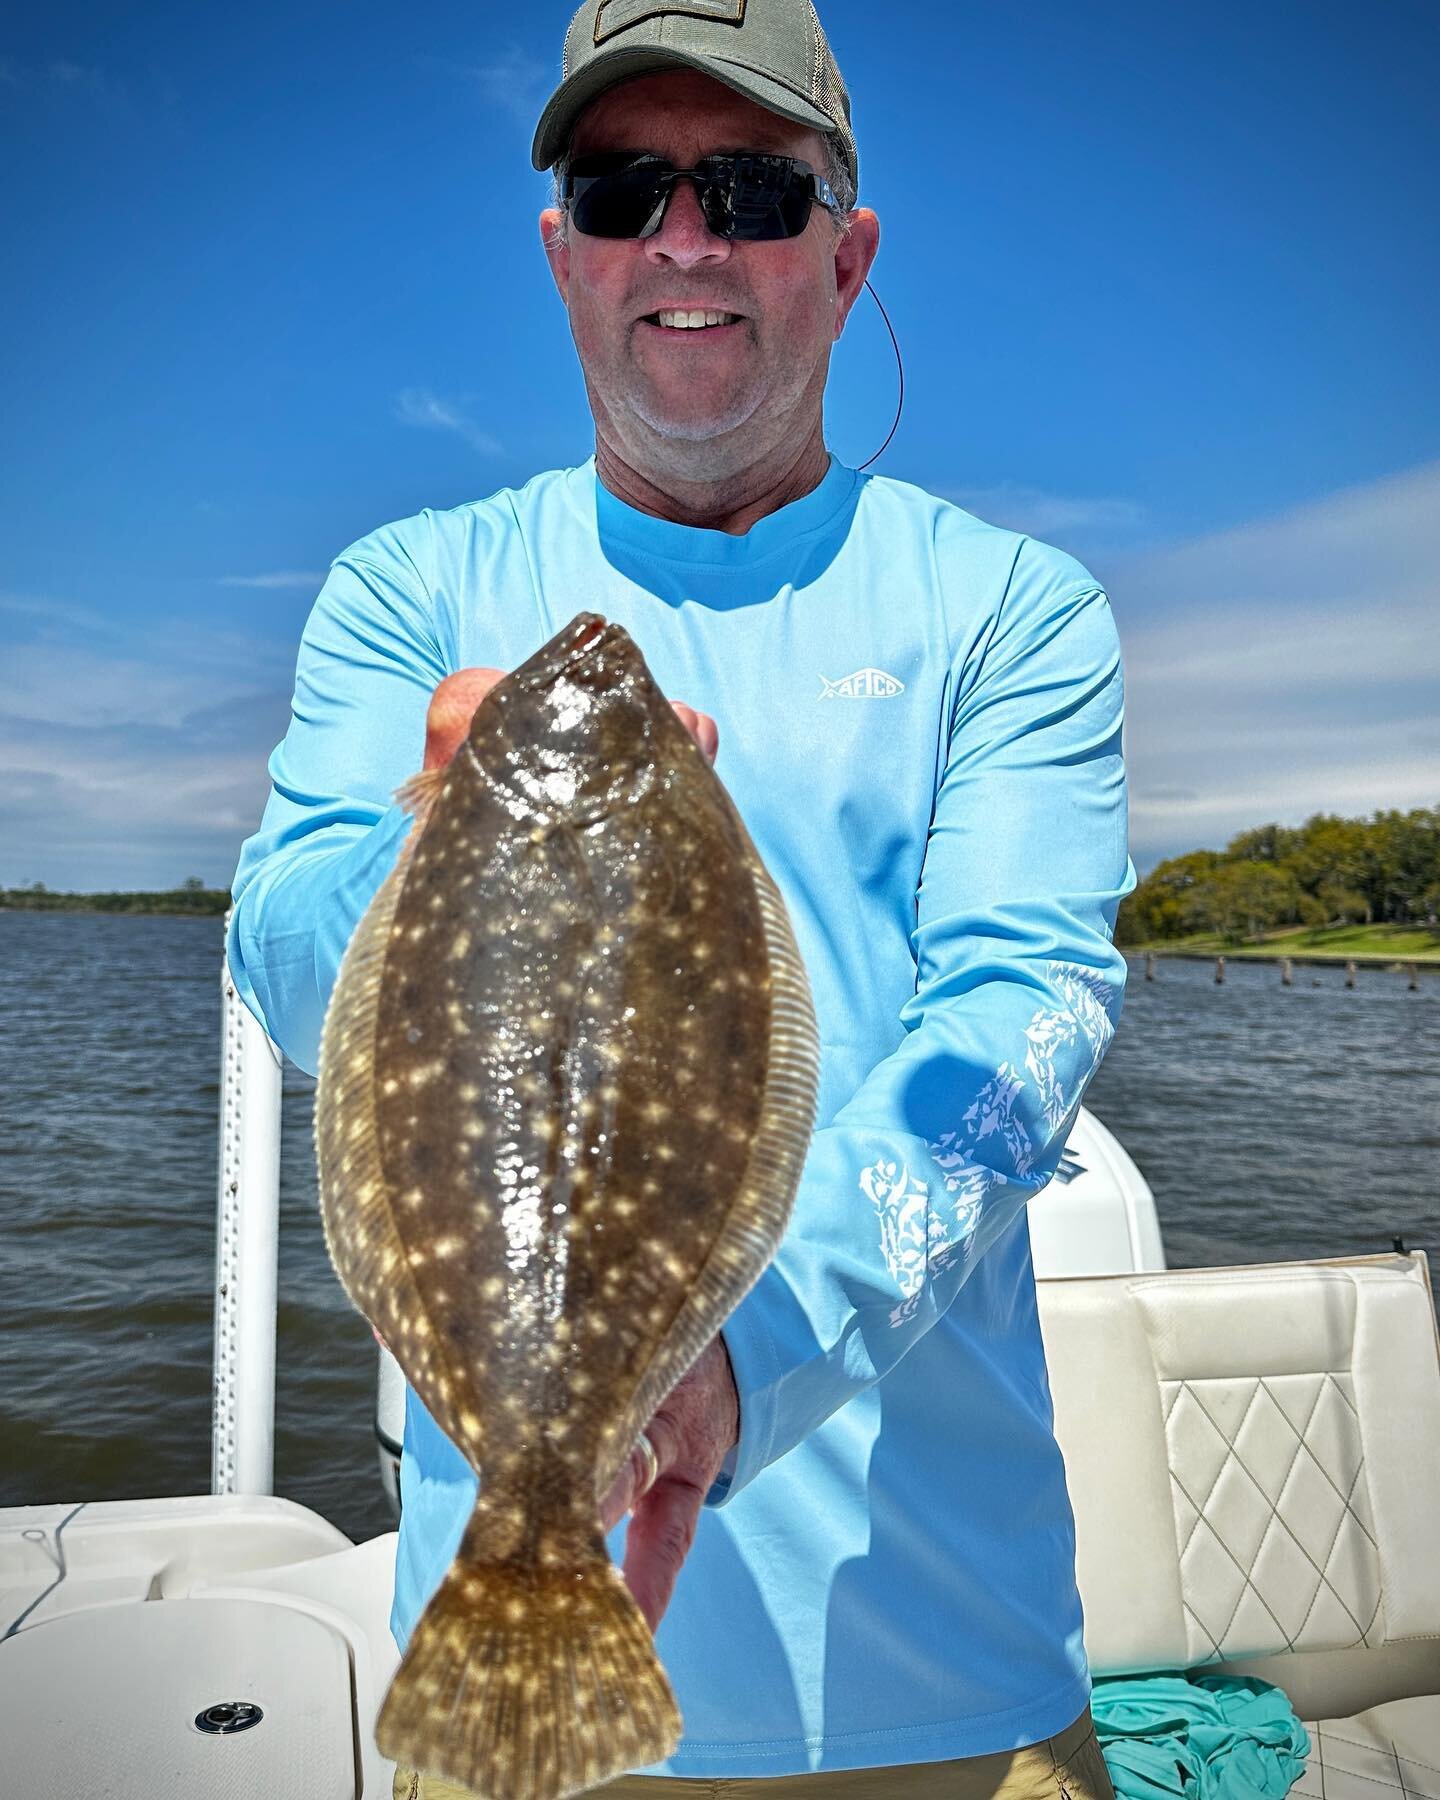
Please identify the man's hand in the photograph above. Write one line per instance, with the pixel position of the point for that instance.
(691, 1434)
(453, 705)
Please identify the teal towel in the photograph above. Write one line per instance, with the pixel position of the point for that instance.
(1210, 1737)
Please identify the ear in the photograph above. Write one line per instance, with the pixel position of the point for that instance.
(557, 249)
(854, 255)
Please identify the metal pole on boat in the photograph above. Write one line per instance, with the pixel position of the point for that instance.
(247, 1246)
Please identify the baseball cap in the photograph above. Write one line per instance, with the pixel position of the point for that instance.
(772, 51)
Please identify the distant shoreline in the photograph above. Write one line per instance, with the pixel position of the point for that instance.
(186, 902)
(1329, 959)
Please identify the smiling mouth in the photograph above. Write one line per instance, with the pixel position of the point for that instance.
(708, 319)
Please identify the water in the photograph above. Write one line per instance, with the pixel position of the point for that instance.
(1271, 1123)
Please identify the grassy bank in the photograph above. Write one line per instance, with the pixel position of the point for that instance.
(1336, 943)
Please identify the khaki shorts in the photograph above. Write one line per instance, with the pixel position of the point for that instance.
(1068, 1766)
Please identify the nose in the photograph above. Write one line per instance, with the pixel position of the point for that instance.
(683, 236)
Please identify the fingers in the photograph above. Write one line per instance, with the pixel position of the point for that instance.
(662, 1529)
(453, 704)
(452, 707)
(701, 727)
(634, 1479)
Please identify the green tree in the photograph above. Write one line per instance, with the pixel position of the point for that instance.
(1155, 911)
(1242, 900)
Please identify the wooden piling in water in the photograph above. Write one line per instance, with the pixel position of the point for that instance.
(1287, 972)
(1149, 968)
(1349, 974)
(1219, 970)
(1414, 979)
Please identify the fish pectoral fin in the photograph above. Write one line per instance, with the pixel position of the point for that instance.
(529, 1680)
(420, 792)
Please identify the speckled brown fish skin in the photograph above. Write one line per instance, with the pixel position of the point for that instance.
(567, 1087)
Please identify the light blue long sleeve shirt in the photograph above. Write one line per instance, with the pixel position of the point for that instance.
(919, 722)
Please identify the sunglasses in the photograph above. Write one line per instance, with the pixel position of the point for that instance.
(748, 195)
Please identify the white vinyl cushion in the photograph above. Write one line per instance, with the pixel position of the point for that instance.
(1390, 1751)
(1253, 1456)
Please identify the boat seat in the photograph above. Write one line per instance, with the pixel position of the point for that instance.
(1384, 1752)
(1253, 1457)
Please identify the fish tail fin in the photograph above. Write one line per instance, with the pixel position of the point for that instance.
(529, 1680)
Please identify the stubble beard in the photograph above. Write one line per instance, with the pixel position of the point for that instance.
(699, 446)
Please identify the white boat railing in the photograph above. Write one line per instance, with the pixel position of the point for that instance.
(247, 1252)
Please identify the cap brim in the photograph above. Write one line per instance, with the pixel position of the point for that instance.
(571, 98)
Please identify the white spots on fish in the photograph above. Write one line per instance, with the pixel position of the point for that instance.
(460, 948)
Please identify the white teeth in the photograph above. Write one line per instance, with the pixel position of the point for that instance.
(694, 321)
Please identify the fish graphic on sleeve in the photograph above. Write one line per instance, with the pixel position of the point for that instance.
(864, 684)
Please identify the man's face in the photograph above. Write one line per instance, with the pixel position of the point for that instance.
(722, 396)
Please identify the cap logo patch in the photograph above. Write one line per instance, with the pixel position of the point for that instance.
(615, 16)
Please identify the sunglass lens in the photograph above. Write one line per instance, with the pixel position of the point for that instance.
(767, 199)
(617, 205)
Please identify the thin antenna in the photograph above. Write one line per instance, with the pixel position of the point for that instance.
(901, 367)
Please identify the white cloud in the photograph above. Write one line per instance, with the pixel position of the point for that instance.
(131, 757)
(511, 79)
(76, 75)
(418, 406)
(1043, 515)
(281, 578)
(1287, 667)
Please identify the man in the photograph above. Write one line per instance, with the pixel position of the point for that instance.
(919, 720)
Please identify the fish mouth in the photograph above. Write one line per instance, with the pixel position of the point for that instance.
(590, 635)
(589, 652)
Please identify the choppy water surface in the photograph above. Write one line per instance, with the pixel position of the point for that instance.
(1270, 1123)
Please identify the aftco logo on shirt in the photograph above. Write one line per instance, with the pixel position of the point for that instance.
(864, 684)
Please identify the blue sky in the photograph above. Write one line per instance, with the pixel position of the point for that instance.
(1164, 280)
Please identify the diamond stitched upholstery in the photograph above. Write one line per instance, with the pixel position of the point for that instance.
(1272, 1514)
(1253, 1458)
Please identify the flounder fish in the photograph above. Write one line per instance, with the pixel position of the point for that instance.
(567, 1085)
